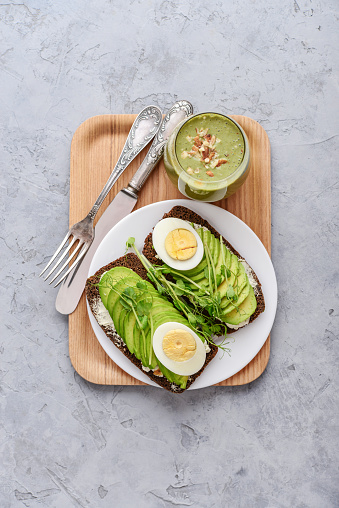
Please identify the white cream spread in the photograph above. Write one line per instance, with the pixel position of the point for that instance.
(240, 325)
(207, 348)
(249, 273)
(198, 226)
(102, 315)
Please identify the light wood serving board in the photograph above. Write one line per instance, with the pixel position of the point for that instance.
(95, 148)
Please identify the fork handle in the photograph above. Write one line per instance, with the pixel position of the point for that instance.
(178, 112)
(144, 128)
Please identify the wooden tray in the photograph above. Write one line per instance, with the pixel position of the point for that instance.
(95, 148)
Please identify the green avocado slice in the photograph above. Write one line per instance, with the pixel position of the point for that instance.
(215, 245)
(233, 267)
(118, 288)
(240, 283)
(244, 310)
(111, 277)
(131, 331)
(173, 378)
(242, 296)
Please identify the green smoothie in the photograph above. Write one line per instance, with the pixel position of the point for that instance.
(209, 147)
(207, 157)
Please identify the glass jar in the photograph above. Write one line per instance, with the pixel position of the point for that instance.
(198, 183)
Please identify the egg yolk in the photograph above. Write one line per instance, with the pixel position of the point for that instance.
(179, 345)
(181, 244)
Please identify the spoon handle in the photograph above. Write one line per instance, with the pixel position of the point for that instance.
(179, 111)
(144, 128)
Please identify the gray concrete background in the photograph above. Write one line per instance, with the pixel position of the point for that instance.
(65, 442)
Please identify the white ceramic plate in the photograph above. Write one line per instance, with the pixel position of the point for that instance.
(248, 341)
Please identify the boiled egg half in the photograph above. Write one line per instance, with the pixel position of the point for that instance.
(177, 243)
(178, 348)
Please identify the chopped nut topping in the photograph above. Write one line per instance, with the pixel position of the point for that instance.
(197, 141)
(221, 161)
(205, 153)
(204, 150)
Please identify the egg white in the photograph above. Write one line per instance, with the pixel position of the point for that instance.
(160, 232)
(187, 367)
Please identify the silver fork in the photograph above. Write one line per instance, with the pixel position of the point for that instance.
(143, 130)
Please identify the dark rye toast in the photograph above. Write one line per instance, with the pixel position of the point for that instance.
(131, 261)
(181, 212)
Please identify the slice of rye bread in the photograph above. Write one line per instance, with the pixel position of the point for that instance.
(181, 212)
(130, 260)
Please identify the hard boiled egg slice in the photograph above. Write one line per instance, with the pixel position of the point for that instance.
(178, 348)
(177, 243)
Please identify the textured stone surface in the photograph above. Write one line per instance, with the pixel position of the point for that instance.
(65, 442)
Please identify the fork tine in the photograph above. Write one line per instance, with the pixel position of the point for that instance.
(78, 259)
(71, 256)
(61, 258)
(56, 253)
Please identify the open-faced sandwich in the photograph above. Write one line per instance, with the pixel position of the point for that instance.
(165, 308)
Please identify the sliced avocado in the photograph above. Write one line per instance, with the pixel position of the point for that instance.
(118, 309)
(225, 259)
(228, 257)
(149, 351)
(240, 282)
(126, 318)
(120, 312)
(211, 242)
(221, 250)
(125, 332)
(173, 378)
(197, 273)
(241, 279)
(216, 249)
(222, 255)
(128, 334)
(233, 267)
(243, 311)
(118, 288)
(132, 335)
(110, 278)
(242, 296)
